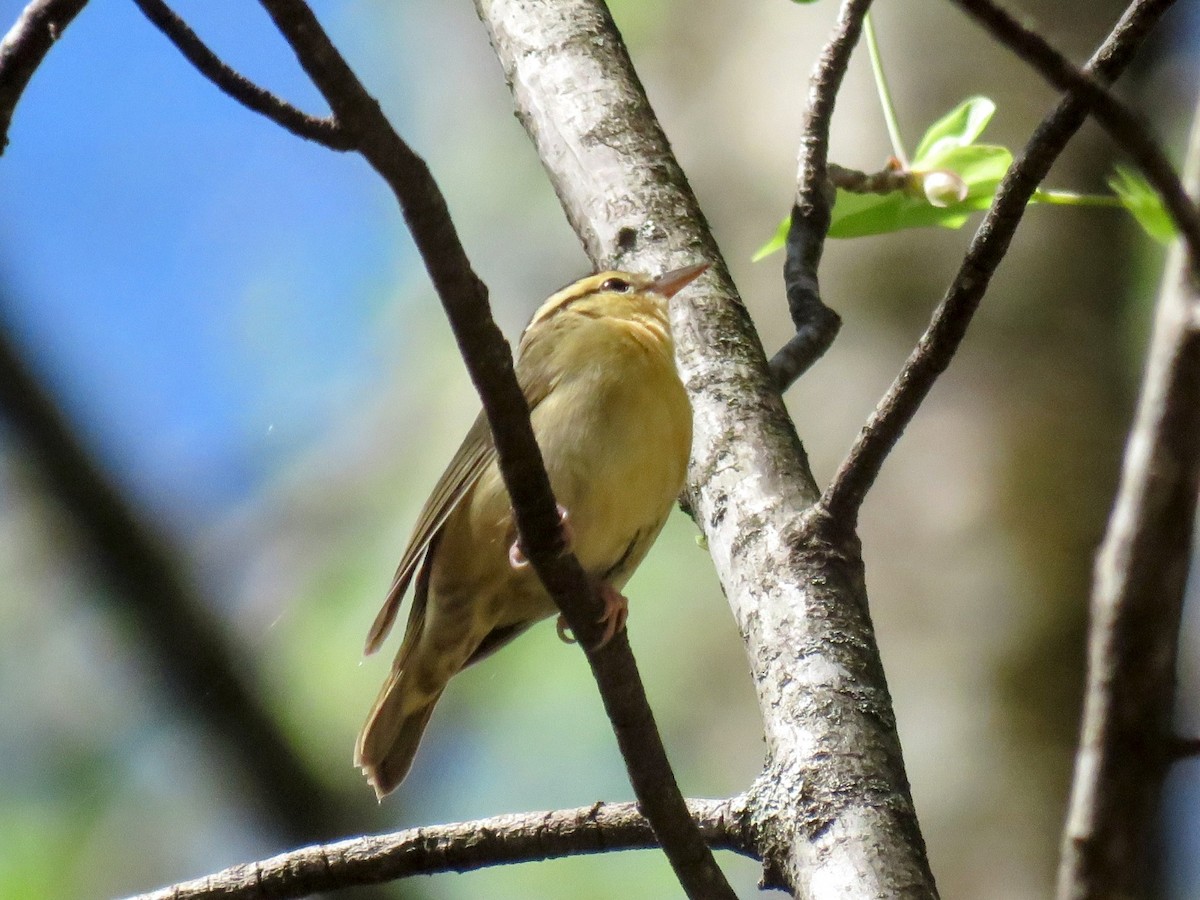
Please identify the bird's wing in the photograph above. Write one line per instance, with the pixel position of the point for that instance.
(473, 457)
(476, 452)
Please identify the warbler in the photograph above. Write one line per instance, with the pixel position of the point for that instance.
(614, 425)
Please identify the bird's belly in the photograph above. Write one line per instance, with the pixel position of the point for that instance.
(616, 453)
(617, 457)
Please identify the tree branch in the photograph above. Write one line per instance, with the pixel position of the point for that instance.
(1124, 126)
(946, 330)
(24, 47)
(816, 324)
(833, 809)
(489, 362)
(236, 85)
(461, 847)
(1136, 607)
(1183, 748)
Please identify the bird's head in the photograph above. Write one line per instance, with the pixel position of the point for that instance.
(621, 295)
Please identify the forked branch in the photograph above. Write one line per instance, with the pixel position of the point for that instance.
(950, 321)
(325, 131)
(1126, 128)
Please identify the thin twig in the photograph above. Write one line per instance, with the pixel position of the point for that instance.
(823, 86)
(1138, 588)
(941, 339)
(460, 847)
(24, 47)
(1123, 125)
(816, 324)
(489, 362)
(887, 180)
(324, 131)
(885, 94)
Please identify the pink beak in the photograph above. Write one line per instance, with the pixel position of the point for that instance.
(673, 282)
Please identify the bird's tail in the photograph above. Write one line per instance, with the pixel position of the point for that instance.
(389, 740)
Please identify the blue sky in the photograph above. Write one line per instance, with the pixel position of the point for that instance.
(188, 276)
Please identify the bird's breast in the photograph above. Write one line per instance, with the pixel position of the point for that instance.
(615, 431)
(616, 436)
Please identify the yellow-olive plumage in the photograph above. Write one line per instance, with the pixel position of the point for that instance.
(615, 428)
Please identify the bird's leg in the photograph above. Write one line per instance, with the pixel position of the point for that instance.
(616, 612)
(616, 606)
(516, 553)
(614, 617)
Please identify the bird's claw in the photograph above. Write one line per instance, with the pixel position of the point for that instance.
(516, 553)
(616, 612)
(614, 617)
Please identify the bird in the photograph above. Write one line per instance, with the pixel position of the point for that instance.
(612, 418)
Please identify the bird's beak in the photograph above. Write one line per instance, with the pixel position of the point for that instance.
(673, 282)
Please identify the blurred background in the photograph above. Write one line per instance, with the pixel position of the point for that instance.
(236, 331)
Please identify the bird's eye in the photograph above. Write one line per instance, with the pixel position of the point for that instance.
(616, 285)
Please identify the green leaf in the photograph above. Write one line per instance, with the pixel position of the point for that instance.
(1143, 203)
(948, 145)
(958, 128)
(775, 244)
(981, 166)
(859, 215)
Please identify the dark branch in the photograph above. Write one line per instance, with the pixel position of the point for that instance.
(816, 324)
(323, 131)
(1136, 607)
(489, 362)
(949, 325)
(22, 50)
(188, 649)
(461, 847)
(812, 183)
(1183, 748)
(1123, 125)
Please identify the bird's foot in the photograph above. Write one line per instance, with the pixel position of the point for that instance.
(616, 612)
(516, 553)
(614, 617)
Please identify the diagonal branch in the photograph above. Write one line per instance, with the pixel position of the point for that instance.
(460, 847)
(1136, 607)
(489, 362)
(948, 327)
(326, 131)
(22, 50)
(816, 324)
(1124, 126)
